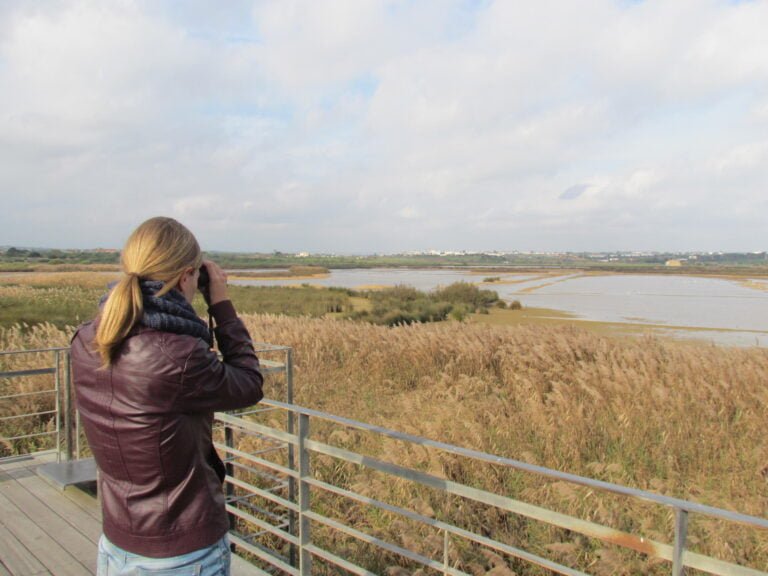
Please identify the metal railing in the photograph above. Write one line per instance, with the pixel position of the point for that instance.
(42, 379)
(44, 384)
(305, 548)
(271, 483)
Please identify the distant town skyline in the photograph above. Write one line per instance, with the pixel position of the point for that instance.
(45, 251)
(361, 127)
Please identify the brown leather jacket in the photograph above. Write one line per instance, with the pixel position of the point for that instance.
(148, 421)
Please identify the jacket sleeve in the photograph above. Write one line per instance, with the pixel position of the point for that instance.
(210, 384)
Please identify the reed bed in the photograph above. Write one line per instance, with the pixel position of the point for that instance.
(34, 398)
(58, 305)
(675, 419)
(680, 420)
(85, 279)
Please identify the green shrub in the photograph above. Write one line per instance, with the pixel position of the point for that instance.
(466, 293)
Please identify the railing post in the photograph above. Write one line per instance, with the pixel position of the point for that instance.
(289, 376)
(681, 533)
(230, 469)
(68, 407)
(446, 561)
(305, 558)
(289, 427)
(57, 393)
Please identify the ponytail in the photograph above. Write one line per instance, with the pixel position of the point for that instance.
(160, 249)
(123, 309)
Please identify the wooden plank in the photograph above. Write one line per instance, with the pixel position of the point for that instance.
(77, 511)
(36, 541)
(15, 556)
(64, 532)
(74, 514)
(87, 502)
(84, 500)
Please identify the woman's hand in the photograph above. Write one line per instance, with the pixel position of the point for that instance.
(218, 282)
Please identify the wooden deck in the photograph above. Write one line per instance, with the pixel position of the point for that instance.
(47, 531)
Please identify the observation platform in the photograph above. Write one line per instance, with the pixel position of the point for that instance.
(44, 530)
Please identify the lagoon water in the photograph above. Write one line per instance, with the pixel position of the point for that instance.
(713, 309)
(727, 311)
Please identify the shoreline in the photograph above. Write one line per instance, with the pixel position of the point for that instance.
(667, 333)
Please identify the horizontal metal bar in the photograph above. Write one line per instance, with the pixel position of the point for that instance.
(585, 527)
(258, 552)
(244, 504)
(28, 456)
(263, 493)
(271, 366)
(456, 531)
(525, 467)
(32, 351)
(389, 547)
(269, 449)
(287, 536)
(256, 460)
(717, 566)
(255, 411)
(28, 436)
(337, 560)
(267, 347)
(30, 372)
(252, 538)
(256, 471)
(27, 415)
(277, 520)
(257, 428)
(283, 526)
(22, 394)
(604, 533)
(273, 444)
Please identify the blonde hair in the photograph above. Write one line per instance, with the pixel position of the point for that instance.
(159, 249)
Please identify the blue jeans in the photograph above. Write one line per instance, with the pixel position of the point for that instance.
(211, 561)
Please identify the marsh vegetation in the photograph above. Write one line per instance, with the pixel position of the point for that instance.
(679, 420)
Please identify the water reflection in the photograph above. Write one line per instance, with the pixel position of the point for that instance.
(654, 299)
(735, 314)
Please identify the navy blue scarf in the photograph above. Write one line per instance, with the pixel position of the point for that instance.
(170, 312)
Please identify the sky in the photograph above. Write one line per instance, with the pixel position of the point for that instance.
(360, 126)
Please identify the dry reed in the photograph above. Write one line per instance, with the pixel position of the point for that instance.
(679, 420)
(675, 419)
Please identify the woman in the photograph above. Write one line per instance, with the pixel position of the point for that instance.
(147, 384)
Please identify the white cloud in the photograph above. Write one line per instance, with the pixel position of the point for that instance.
(334, 125)
(744, 157)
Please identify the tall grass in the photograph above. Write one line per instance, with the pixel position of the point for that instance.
(69, 298)
(60, 305)
(287, 300)
(680, 420)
